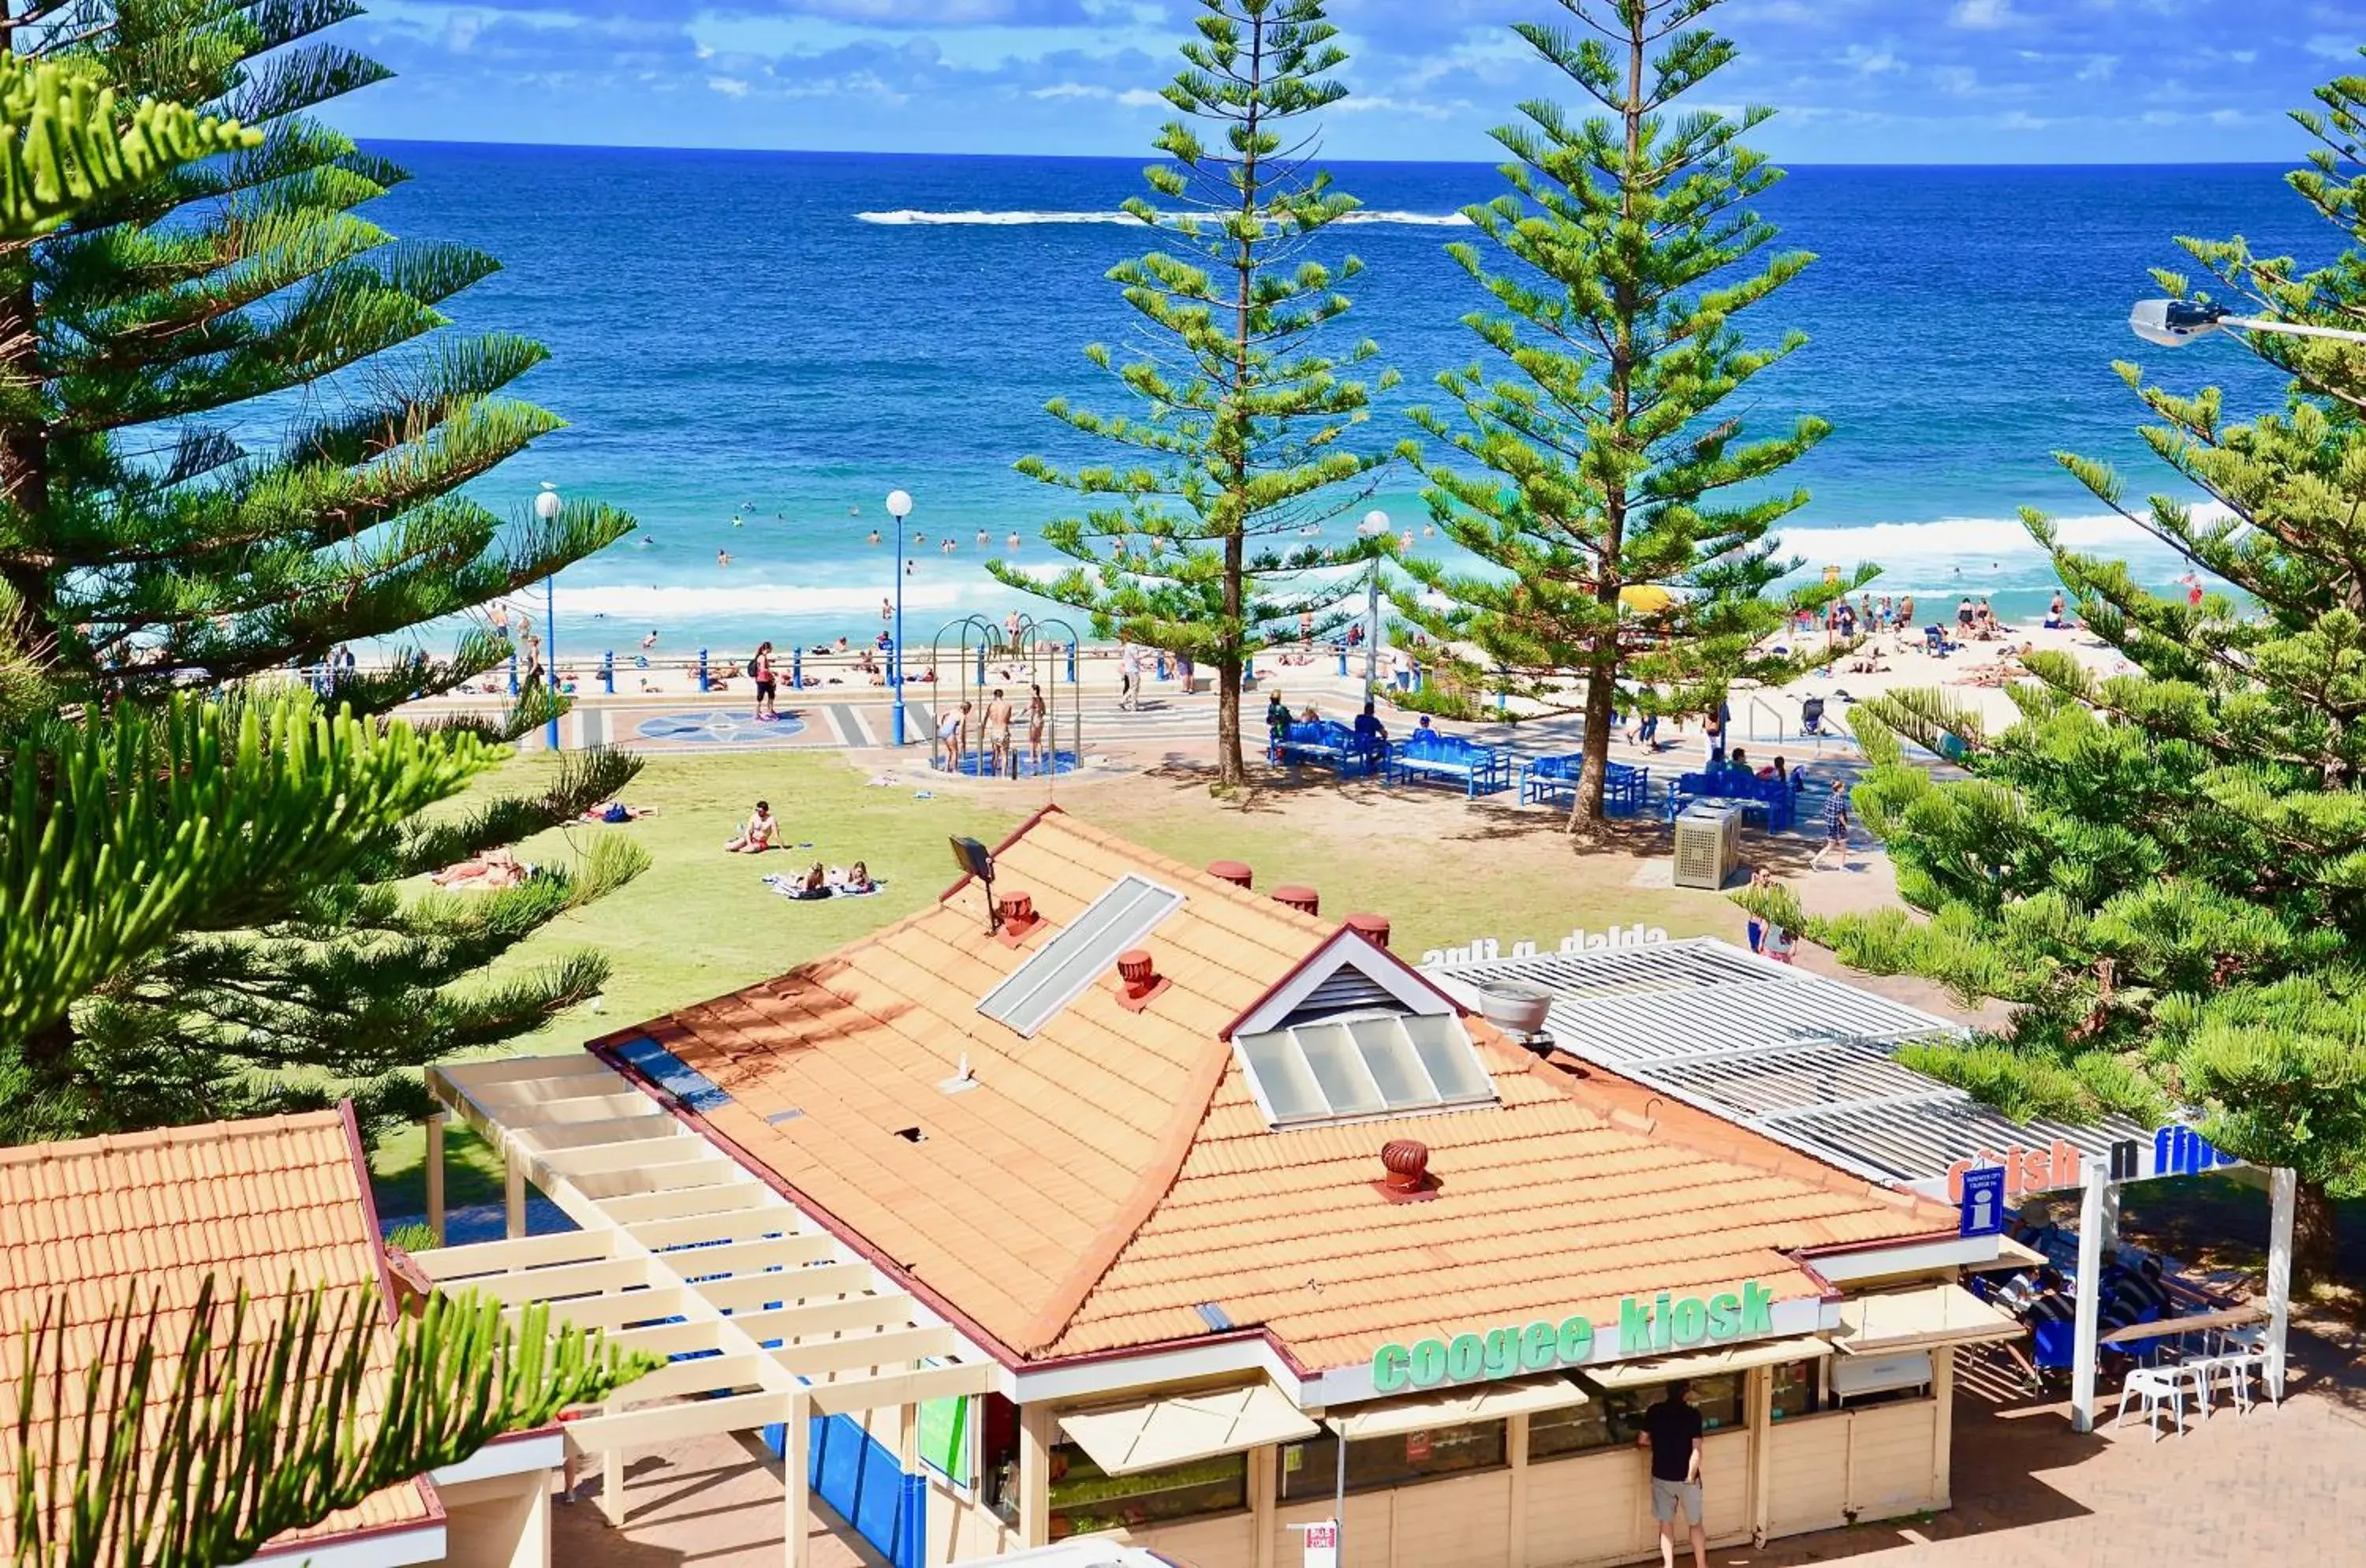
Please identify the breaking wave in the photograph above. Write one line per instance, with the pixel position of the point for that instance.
(918, 217)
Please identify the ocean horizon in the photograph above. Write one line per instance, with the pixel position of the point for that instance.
(752, 348)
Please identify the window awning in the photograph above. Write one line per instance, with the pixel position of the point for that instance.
(1710, 1363)
(2010, 1255)
(1150, 1433)
(1457, 1406)
(1882, 1322)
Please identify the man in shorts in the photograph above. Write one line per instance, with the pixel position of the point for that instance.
(1836, 825)
(998, 735)
(1671, 1433)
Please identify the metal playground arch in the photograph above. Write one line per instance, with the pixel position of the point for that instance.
(1041, 658)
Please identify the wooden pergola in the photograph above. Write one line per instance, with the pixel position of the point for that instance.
(767, 1318)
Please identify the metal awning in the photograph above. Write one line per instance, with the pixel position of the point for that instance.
(1150, 1433)
(1710, 1363)
(1456, 1408)
(1803, 1059)
(1882, 1323)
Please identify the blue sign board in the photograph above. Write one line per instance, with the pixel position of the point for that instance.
(1982, 1212)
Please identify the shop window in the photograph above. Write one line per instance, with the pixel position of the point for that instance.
(997, 1434)
(1311, 1469)
(1615, 1419)
(1085, 1499)
(1795, 1389)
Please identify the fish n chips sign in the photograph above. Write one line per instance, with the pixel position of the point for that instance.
(1647, 1326)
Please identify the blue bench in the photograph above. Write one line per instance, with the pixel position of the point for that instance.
(1769, 800)
(1326, 743)
(1427, 755)
(1553, 781)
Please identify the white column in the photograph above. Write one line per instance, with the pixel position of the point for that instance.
(434, 1161)
(2092, 1207)
(2283, 1196)
(795, 1459)
(514, 1195)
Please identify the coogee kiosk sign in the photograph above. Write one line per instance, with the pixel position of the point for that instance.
(1647, 1326)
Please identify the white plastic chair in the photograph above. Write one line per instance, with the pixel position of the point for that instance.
(2157, 1390)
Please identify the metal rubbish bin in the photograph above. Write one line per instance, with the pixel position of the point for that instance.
(1709, 844)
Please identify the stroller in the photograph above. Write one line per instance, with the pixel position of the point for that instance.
(1812, 716)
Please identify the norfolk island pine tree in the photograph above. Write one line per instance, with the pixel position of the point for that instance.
(145, 550)
(2164, 872)
(1245, 434)
(1588, 455)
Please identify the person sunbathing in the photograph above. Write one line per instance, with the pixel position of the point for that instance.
(492, 870)
(617, 811)
(756, 835)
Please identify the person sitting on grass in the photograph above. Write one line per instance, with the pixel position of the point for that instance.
(857, 879)
(756, 835)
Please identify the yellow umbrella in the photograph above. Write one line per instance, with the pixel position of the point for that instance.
(1646, 599)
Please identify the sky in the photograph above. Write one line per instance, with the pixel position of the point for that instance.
(1854, 81)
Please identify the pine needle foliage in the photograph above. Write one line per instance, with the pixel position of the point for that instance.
(1246, 424)
(65, 143)
(198, 1453)
(235, 432)
(1590, 452)
(2164, 870)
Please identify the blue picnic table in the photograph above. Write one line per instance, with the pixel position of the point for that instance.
(1553, 781)
(1427, 756)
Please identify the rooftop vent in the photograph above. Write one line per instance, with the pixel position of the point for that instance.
(911, 1135)
(1373, 928)
(1236, 872)
(962, 1080)
(1138, 979)
(1015, 912)
(1514, 1009)
(1305, 901)
(1408, 1180)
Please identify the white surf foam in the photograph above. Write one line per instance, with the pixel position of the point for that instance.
(920, 218)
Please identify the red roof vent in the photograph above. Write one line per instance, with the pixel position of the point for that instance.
(1236, 872)
(1018, 915)
(1302, 900)
(1138, 979)
(1373, 928)
(1409, 1181)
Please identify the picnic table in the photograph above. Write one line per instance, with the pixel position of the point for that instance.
(2193, 1323)
(1427, 755)
(1326, 743)
(1553, 781)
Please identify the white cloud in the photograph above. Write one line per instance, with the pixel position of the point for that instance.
(2245, 57)
(1131, 98)
(1984, 13)
(729, 86)
(2099, 68)
(2333, 46)
(1961, 81)
(1868, 61)
(2227, 116)
(2020, 119)
(462, 31)
(1380, 103)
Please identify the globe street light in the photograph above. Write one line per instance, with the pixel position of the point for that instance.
(1375, 525)
(2173, 323)
(546, 506)
(899, 506)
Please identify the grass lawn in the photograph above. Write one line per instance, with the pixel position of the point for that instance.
(700, 923)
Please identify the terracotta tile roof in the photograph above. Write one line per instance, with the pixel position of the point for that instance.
(256, 1202)
(1110, 1174)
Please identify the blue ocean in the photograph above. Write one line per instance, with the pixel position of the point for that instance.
(753, 349)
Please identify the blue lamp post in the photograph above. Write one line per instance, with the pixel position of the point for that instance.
(899, 506)
(546, 506)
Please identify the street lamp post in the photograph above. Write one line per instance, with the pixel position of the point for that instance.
(2173, 323)
(546, 506)
(899, 506)
(1376, 523)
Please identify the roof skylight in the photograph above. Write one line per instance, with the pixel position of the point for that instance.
(1375, 1064)
(1032, 994)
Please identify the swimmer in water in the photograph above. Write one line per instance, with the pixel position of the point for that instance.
(723, 558)
(1012, 543)
(874, 535)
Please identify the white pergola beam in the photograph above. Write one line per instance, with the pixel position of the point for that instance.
(617, 1310)
(724, 1198)
(699, 1374)
(677, 1147)
(853, 1396)
(712, 1170)
(781, 1252)
(896, 1349)
(790, 1285)
(827, 1318)
(454, 1263)
(673, 1423)
(670, 1338)
(549, 1138)
(743, 1225)
(603, 1278)
(511, 1069)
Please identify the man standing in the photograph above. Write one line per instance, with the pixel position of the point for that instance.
(1835, 827)
(1672, 1432)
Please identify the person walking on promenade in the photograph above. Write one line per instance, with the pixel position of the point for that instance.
(1836, 825)
(1672, 1433)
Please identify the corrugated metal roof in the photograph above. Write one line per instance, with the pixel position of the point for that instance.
(1802, 1058)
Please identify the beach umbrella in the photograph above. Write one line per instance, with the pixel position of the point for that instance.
(1646, 599)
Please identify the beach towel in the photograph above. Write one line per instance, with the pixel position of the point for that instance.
(794, 887)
